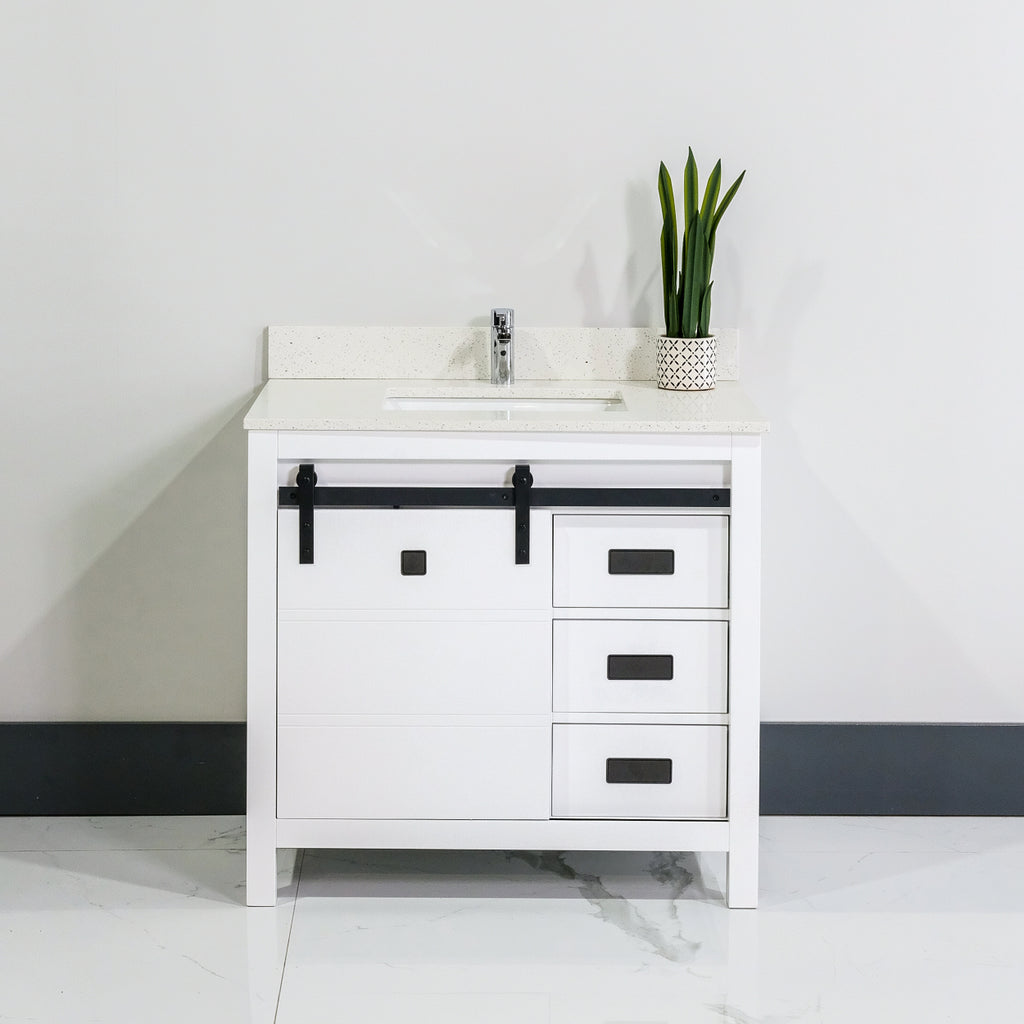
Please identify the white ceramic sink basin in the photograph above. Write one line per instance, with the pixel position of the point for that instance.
(609, 402)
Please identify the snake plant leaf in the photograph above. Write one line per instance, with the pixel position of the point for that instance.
(689, 189)
(677, 302)
(705, 311)
(696, 257)
(707, 207)
(668, 276)
(677, 298)
(669, 248)
(726, 200)
(700, 276)
(689, 241)
(665, 193)
(687, 256)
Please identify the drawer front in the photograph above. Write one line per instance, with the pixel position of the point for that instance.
(641, 666)
(413, 772)
(647, 561)
(413, 667)
(638, 771)
(413, 558)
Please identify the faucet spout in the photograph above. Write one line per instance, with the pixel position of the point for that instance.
(502, 335)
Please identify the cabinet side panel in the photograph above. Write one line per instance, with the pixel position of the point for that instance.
(745, 673)
(261, 675)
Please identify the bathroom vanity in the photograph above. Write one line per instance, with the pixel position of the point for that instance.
(515, 619)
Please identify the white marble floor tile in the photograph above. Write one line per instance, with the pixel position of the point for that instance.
(859, 922)
(196, 832)
(880, 835)
(113, 935)
(862, 921)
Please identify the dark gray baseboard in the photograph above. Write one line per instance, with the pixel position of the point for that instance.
(100, 768)
(892, 768)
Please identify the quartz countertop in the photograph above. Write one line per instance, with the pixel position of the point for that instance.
(366, 405)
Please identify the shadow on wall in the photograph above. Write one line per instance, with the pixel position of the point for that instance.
(638, 298)
(155, 628)
(847, 631)
(844, 634)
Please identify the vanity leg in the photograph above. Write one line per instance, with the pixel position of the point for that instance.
(741, 876)
(260, 875)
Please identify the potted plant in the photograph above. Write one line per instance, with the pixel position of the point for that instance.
(687, 351)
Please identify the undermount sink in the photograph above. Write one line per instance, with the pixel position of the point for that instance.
(598, 402)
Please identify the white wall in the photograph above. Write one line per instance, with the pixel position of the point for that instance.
(176, 176)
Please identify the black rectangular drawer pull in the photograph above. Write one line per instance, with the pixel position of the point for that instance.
(641, 562)
(640, 666)
(639, 770)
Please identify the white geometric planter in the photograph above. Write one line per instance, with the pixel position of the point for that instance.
(687, 364)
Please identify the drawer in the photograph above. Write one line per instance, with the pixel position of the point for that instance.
(413, 558)
(638, 771)
(413, 771)
(413, 667)
(646, 561)
(656, 666)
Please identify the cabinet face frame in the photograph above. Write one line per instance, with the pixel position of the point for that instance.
(709, 460)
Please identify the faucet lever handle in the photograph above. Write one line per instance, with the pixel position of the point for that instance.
(502, 320)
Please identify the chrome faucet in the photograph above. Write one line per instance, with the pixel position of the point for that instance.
(502, 330)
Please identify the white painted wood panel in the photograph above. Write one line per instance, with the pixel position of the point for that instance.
(490, 473)
(745, 675)
(414, 772)
(261, 658)
(449, 446)
(700, 546)
(699, 651)
(419, 711)
(580, 790)
(470, 560)
(503, 834)
(414, 667)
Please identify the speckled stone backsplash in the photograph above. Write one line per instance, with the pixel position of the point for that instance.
(461, 353)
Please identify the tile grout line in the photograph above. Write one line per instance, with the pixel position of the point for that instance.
(291, 925)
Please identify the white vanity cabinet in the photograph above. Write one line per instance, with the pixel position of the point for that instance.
(416, 683)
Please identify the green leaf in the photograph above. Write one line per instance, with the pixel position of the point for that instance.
(705, 311)
(668, 277)
(696, 276)
(680, 299)
(724, 204)
(668, 202)
(707, 207)
(669, 249)
(689, 190)
(722, 207)
(689, 240)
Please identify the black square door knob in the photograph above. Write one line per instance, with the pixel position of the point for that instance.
(414, 563)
